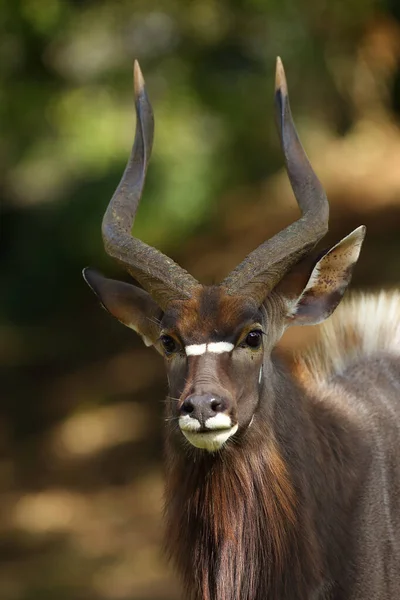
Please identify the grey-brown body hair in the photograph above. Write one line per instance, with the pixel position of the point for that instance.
(370, 390)
(355, 368)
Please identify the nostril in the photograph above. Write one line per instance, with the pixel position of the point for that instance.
(187, 407)
(218, 405)
(204, 406)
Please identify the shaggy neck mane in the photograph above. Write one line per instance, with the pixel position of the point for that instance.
(233, 522)
(362, 326)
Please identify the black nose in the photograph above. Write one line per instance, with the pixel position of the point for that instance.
(203, 407)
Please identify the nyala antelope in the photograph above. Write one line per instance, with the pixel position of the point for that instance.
(280, 484)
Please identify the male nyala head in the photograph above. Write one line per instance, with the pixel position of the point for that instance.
(217, 340)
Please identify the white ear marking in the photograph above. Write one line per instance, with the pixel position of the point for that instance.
(147, 341)
(313, 279)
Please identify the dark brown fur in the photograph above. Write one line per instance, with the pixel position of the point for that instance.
(254, 522)
(210, 314)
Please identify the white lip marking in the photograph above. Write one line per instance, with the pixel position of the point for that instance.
(195, 349)
(220, 421)
(216, 347)
(187, 423)
(211, 441)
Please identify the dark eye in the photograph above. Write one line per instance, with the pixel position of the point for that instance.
(254, 338)
(169, 344)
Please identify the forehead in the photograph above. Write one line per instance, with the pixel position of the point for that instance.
(211, 314)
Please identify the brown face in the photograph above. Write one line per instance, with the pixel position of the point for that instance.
(217, 346)
(213, 346)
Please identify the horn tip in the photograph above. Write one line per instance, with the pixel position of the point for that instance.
(93, 278)
(88, 274)
(84, 272)
(138, 78)
(280, 78)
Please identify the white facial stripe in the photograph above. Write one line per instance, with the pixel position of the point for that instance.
(260, 375)
(216, 347)
(195, 349)
(220, 421)
(187, 423)
(219, 347)
(210, 441)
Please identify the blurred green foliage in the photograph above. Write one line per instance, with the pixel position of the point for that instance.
(67, 115)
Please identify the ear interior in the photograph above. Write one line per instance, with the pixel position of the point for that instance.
(328, 281)
(128, 303)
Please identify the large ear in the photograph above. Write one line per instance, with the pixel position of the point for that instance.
(131, 305)
(326, 285)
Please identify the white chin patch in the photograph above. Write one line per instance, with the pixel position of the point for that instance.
(211, 440)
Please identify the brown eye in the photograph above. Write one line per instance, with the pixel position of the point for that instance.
(254, 339)
(169, 344)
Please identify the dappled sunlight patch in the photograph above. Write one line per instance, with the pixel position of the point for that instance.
(115, 534)
(87, 433)
(48, 511)
(122, 519)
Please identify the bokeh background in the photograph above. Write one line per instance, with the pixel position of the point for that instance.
(81, 400)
